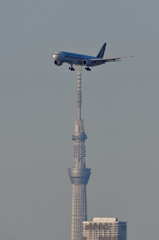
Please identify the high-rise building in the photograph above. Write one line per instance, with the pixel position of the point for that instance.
(79, 174)
(104, 229)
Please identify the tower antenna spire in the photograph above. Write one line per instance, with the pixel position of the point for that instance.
(79, 95)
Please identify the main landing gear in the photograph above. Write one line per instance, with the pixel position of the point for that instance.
(71, 68)
(88, 69)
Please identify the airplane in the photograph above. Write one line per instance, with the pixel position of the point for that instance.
(83, 60)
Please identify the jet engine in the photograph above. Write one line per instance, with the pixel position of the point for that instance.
(86, 62)
(58, 63)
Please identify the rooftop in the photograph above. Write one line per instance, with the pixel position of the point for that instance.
(102, 220)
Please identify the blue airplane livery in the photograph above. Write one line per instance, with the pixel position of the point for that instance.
(82, 60)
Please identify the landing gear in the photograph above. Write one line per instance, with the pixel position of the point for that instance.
(71, 68)
(88, 69)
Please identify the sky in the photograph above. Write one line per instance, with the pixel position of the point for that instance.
(38, 111)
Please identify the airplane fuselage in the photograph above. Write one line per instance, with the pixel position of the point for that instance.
(75, 59)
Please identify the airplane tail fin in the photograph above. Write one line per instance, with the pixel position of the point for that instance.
(101, 52)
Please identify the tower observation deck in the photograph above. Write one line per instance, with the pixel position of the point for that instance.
(79, 174)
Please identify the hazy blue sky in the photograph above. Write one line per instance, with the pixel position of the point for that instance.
(38, 111)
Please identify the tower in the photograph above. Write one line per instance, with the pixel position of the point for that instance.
(79, 174)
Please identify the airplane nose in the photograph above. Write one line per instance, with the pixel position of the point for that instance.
(56, 56)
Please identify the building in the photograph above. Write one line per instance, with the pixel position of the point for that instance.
(79, 174)
(104, 229)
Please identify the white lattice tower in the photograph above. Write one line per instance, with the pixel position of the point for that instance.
(79, 174)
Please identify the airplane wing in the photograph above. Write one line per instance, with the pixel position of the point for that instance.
(103, 60)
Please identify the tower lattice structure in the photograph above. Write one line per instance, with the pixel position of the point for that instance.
(79, 174)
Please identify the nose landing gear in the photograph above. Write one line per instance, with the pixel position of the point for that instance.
(71, 68)
(88, 69)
